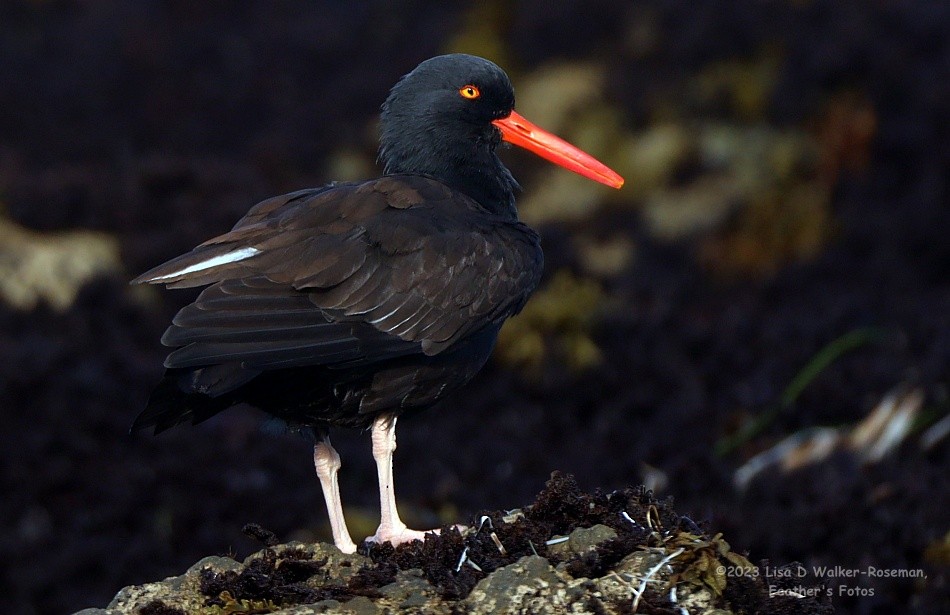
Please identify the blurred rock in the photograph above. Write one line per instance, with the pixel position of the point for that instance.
(552, 95)
(567, 100)
(556, 196)
(846, 133)
(734, 166)
(51, 267)
(777, 226)
(742, 87)
(697, 207)
(555, 325)
(605, 257)
(350, 165)
(650, 158)
(759, 195)
(482, 32)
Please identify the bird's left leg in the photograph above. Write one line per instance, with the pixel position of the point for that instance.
(391, 528)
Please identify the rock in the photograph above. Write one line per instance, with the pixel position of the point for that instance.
(51, 267)
(361, 605)
(583, 540)
(409, 590)
(605, 567)
(181, 592)
(340, 567)
(530, 585)
(324, 606)
(212, 561)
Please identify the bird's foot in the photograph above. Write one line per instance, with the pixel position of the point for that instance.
(398, 535)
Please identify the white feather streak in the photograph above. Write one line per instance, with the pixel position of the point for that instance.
(222, 259)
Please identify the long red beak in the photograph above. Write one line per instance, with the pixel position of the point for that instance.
(519, 131)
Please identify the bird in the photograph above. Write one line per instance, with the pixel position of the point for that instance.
(349, 304)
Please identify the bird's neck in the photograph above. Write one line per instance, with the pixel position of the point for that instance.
(471, 168)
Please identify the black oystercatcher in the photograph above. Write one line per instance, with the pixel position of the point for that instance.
(348, 304)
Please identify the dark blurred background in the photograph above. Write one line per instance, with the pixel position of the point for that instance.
(773, 280)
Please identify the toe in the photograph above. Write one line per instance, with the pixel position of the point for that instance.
(398, 537)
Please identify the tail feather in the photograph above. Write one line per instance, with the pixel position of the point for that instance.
(190, 396)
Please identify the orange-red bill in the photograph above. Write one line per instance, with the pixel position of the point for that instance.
(519, 131)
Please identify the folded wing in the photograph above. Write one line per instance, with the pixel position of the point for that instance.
(349, 274)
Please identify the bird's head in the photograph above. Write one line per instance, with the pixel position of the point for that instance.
(447, 116)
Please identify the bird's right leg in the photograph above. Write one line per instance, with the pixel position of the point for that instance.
(327, 462)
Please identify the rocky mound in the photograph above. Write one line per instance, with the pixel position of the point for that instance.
(568, 552)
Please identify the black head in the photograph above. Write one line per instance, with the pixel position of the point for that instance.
(437, 121)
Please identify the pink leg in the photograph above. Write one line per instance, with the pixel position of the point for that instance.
(327, 462)
(391, 528)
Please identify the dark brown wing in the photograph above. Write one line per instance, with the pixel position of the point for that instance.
(263, 325)
(350, 273)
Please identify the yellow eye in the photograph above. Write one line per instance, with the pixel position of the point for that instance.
(469, 91)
